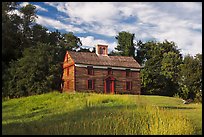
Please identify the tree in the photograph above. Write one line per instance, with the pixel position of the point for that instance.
(191, 77)
(31, 56)
(70, 41)
(125, 44)
(36, 72)
(39, 34)
(160, 73)
(28, 16)
(170, 69)
(10, 33)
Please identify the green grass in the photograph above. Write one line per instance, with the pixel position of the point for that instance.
(87, 113)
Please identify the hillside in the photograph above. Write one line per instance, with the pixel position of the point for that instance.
(86, 113)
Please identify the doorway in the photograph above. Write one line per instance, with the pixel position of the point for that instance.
(109, 85)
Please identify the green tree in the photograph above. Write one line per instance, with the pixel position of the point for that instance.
(170, 70)
(125, 44)
(39, 34)
(70, 41)
(191, 77)
(36, 72)
(11, 36)
(29, 17)
(160, 73)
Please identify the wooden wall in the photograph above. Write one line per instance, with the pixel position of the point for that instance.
(68, 77)
(82, 77)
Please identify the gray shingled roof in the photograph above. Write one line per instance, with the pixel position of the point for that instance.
(113, 61)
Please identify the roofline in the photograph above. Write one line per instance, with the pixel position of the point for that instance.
(105, 67)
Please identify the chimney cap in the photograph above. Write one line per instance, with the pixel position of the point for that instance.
(102, 45)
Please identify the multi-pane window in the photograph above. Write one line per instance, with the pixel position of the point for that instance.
(128, 85)
(90, 84)
(90, 70)
(128, 73)
(110, 72)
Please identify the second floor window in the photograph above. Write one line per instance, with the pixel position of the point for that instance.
(90, 70)
(128, 73)
(110, 72)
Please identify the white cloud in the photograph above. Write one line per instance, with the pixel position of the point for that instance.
(90, 41)
(15, 12)
(40, 8)
(23, 4)
(176, 21)
(48, 22)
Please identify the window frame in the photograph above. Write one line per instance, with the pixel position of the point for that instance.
(90, 70)
(128, 85)
(110, 71)
(92, 84)
(128, 73)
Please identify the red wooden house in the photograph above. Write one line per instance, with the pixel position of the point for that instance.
(98, 72)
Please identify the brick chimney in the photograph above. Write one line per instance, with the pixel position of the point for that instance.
(102, 50)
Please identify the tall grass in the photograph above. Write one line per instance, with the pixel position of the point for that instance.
(94, 114)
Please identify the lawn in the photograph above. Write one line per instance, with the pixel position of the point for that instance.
(88, 113)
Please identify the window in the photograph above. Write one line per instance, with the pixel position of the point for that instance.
(104, 50)
(90, 84)
(128, 85)
(100, 50)
(90, 70)
(110, 72)
(128, 73)
(67, 71)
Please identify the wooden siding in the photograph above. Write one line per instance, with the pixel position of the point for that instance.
(99, 76)
(68, 77)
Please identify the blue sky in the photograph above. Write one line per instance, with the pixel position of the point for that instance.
(99, 22)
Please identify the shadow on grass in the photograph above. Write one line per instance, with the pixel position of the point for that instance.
(48, 124)
(71, 123)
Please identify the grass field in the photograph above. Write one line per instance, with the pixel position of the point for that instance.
(87, 113)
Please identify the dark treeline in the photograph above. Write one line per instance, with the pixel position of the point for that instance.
(32, 59)
(32, 56)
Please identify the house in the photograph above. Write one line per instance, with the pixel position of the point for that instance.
(98, 72)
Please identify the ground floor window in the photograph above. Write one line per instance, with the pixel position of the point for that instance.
(128, 85)
(90, 84)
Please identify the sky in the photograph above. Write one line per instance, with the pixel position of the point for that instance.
(100, 22)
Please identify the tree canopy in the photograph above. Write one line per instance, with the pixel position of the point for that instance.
(165, 71)
(31, 55)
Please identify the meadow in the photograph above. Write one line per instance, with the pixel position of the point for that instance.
(100, 114)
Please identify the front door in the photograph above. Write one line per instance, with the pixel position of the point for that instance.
(109, 88)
